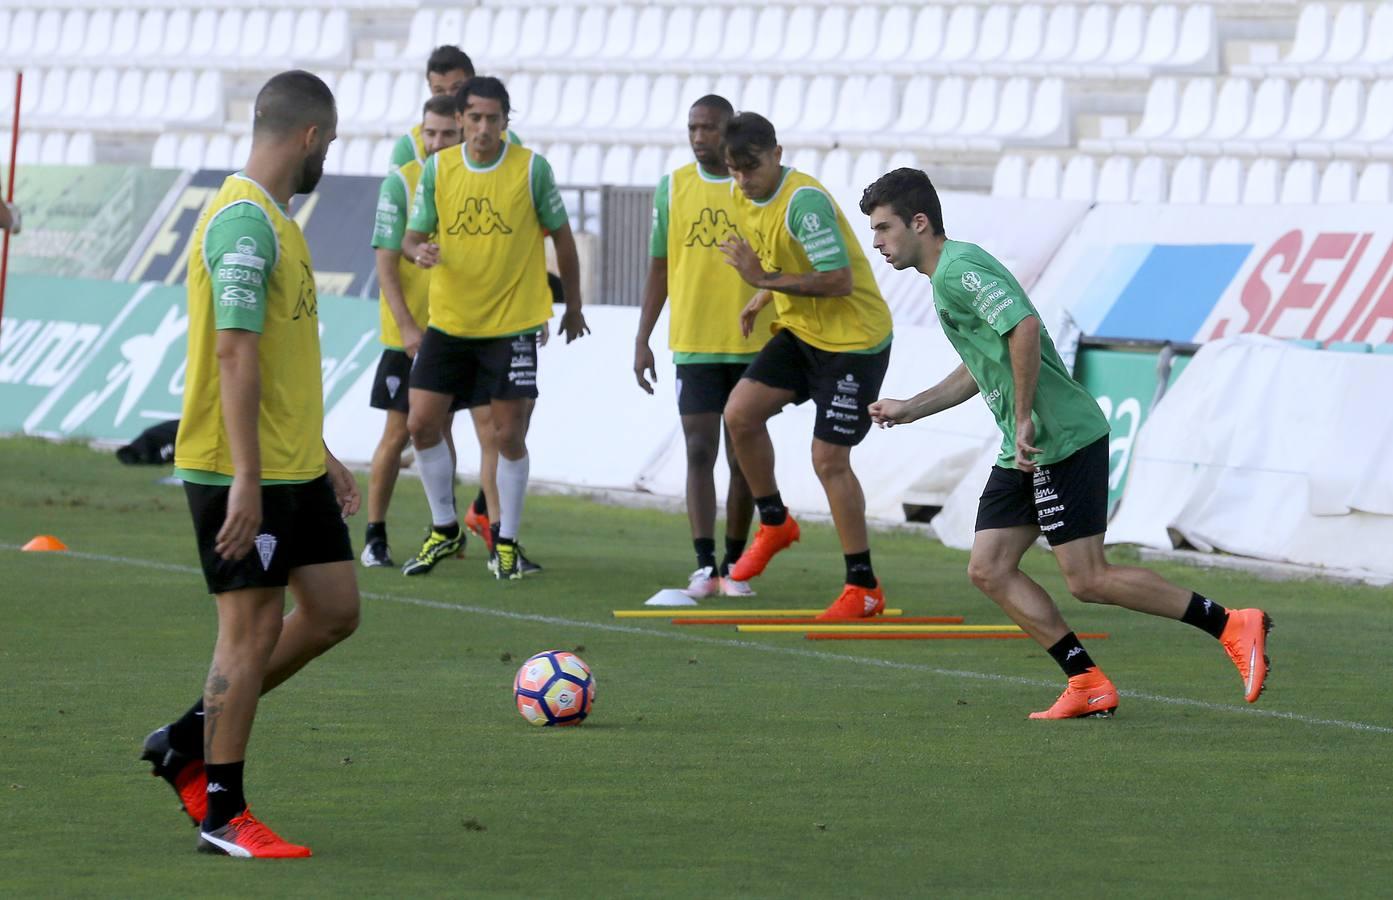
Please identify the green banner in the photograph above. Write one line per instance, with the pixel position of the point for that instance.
(1124, 383)
(82, 221)
(105, 360)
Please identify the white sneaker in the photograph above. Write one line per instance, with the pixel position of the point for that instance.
(703, 583)
(732, 588)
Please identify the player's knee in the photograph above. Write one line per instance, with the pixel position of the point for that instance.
(987, 576)
(338, 622)
(831, 462)
(701, 452)
(1087, 585)
(740, 419)
(424, 431)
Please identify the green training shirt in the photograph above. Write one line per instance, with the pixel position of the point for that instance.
(979, 302)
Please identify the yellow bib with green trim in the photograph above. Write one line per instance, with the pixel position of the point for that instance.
(292, 399)
(492, 276)
(415, 281)
(707, 293)
(857, 321)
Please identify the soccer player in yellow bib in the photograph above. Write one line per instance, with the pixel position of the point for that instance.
(1051, 477)
(831, 343)
(488, 203)
(267, 497)
(692, 215)
(403, 309)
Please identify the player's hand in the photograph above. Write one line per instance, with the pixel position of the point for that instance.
(644, 362)
(344, 484)
(428, 256)
(573, 325)
(16, 220)
(888, 413)
(242, 521)
(411, 337)
(744, 259)
(1025, 449)
(752, 311)
(545, 334)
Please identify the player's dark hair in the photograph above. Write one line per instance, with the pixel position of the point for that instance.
(291, 101)
(448, 58)
(907, 192)
(746, 135)
(441, 105)
(716, 102)
(485, 86)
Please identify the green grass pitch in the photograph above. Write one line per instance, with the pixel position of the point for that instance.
(714, 764)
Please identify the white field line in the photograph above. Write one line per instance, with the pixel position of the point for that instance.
(688, 637)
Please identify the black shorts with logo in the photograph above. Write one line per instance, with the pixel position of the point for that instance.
(391, 385)
(1067, 500)
(705, 387)
(301, 525)
(477, 369)
(841, 385)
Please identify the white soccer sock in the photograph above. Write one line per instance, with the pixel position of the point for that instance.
(438, 476)
(512, 490)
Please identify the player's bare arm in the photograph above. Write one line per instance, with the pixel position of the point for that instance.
(958, 387)
(389, 277)
(418, 247)
(9, 217)
(1024, 343)
(568, 264)
(345, 485)
(654, 298)
(739, 253)
(239, 373)
(751, 312)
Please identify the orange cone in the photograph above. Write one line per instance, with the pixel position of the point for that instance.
(44, 542)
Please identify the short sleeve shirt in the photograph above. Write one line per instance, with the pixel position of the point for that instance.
(979, 302)
(240, 248)
(546, 199)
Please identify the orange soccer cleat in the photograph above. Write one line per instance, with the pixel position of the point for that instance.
(184, 773)
(246, 837)
(769, 539)
(1245, 641)
(856, 602)
(1088, 695)
(479, 524)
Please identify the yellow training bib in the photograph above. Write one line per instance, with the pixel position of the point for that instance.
(707, 294)
(292, 401)
(415, 281)
(492, 277)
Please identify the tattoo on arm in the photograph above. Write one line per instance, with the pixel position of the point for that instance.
(809, 284)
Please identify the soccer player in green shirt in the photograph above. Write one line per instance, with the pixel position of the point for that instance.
(1052, 475)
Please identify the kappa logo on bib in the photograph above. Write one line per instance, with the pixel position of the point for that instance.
(478, 217)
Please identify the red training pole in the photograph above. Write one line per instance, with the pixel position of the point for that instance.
(10, 190)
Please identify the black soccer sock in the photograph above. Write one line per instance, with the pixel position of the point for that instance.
(858, 569)
(771, 509)
(705, 552)
(1071, 656)
(225, 797)
(481, 505)
(186, 733)
(377, 531)
(493, 533)
(1206, 615)
(734, 547)
(450, 531)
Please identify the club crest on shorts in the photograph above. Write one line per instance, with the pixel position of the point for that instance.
(393, 384)
(265, 548)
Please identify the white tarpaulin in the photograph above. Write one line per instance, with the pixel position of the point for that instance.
(1268, 450)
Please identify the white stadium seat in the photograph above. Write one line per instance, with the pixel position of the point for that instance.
(203, 33)
(560, 29)
(1304, 116)
(178, 31)
(217, 154)
(1341, 120)
(163, 155)
(836, 168)
(1374, 184)
(1188, 181)
(618, 165)
(1377, 54)
(1080, 181)
(1149, 180)
(73, 34)
(149, 42)
(1232, 110)
(799, 35)
(739, 35)
(585, 165)
(831, 37)
(618, 35)
(179, 96)
(648, 34)
(559, 156)
(677, 157)
(1261, 183)
(590, 33)
(1114, 184)
(706, 39)
(862, 33)
(647, 166)
(1008, 179)
(404, 107)
(1337, 183)
(869, 165)
(677, 36)
(1042, 181)
(53, 146)
(189, 153)
(280, 37)
(48, 30)
(1299, 182)
(1225, 186)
